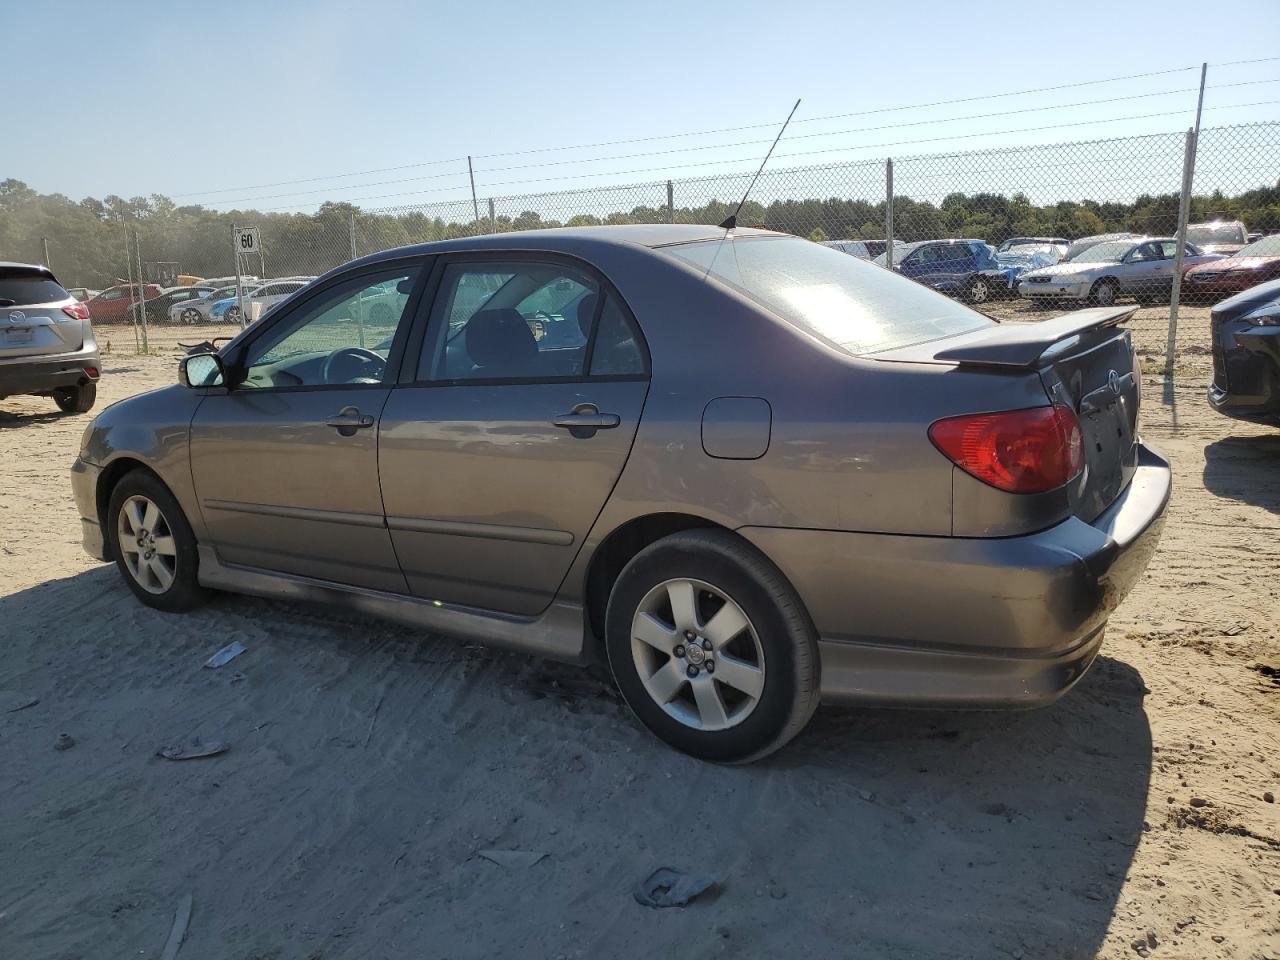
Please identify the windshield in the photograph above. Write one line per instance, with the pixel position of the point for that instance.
(1266, 247)
(1231, 231)
(848, 302)
(1112, 250)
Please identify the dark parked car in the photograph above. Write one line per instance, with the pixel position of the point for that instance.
(158, 307)
(46, 340)
(760, 472)
(1246, 354)
(962, 268)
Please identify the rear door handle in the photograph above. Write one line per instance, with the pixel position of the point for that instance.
(585, 419)
(348, 420)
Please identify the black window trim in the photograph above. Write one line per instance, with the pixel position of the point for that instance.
(411, 359)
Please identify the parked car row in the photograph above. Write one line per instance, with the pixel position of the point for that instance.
(212, 300)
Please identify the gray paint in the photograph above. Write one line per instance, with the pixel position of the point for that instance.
(465, 508)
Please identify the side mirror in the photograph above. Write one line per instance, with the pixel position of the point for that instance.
(201, 370)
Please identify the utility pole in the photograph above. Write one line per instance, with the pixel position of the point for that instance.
(475, 204)
(1184, 214)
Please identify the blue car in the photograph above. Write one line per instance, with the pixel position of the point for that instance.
(967, 269)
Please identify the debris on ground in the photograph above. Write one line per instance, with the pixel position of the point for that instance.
(64, 742)
(179, 929)
(225, 655)
(669, 887)
(11, 702)
(512, 858)
(193, 749)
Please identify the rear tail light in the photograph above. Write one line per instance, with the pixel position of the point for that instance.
(91, 373)
(1021, 451)
(76, 311)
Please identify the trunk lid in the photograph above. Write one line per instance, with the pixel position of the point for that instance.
(1085, 362)
(32, 321)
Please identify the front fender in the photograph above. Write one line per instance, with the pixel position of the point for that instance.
(153, 429)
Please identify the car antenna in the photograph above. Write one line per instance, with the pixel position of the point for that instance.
(732, 220)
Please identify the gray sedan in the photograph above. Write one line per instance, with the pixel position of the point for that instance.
(745, 470)
(1142, 269)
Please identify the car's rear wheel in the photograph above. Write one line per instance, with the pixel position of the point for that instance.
(77, 399)
(1104, 293)
(978, 290)
(233, 315)
(711, 647)
(190, 315)
(153, 544)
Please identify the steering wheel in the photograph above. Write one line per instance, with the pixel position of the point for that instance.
(360, 354)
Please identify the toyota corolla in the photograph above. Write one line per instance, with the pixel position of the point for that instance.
(745, 470)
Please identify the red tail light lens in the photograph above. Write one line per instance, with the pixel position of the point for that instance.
(1021, 451)
(77, 311)
(91, 373)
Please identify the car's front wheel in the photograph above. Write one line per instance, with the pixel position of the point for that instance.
(978, 290)
(711, 647)
(153, 544)
(190, 316)
(1104, 293)
(77, 399)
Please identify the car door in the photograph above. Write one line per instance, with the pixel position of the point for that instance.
(919, 263)
(502, 443)
(1140, 273)
(285, 462)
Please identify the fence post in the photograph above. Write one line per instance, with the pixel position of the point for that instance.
(353, 235)
(671, 202)
(475, 204)
(235, 256)
(888, 213)
(128, 269)
(142, 293)
(45, 241)
(493, 217)
(1184, 214)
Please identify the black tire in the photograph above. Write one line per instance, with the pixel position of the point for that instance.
(978, 290)
(190, 316)
(792, 670)
(77, 399)
(1104, 293)
(232, 315)
(185, 592)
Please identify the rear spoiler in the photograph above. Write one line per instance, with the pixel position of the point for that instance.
(1023, 344)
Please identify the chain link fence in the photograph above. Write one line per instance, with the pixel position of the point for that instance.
(1015, 212)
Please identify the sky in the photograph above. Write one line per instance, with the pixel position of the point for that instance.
(222, 103)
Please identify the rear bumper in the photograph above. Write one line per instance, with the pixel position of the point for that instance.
(84, 490)
(969, 622)
(42, 374)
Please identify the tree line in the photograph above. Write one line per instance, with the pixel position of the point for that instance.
(86, 238)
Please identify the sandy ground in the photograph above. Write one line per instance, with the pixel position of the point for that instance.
(369, 765)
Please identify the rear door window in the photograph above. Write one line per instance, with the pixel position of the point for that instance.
(19, 291)
(847, 302)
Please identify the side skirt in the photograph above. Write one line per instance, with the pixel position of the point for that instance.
(559, 633)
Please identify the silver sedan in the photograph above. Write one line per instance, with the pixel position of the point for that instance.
(747, 471)
(1142, 269)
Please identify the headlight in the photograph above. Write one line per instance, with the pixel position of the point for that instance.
(1272, 320)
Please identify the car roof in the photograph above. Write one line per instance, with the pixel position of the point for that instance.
(11, 269)
(650, 235)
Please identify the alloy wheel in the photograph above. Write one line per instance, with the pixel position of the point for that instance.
(697, 654)
(147, 544)
(978, 291)
(190, 315)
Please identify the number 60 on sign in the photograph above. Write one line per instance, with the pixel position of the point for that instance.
(247, 240)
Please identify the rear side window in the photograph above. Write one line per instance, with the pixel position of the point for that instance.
(852, 304)
(18, 291)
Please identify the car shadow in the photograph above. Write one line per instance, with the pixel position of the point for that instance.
(1244, 469)
(14, 418)
(367, 760)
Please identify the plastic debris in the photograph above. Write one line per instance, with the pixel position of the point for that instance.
(669, 887)
(13, 702)
(225, 655)
(193, 749)
(512, 858)
(178, 931)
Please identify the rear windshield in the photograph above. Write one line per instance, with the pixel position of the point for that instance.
(18, 291)
(850, 303)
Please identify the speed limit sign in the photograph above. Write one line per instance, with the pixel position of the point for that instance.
(247, 240)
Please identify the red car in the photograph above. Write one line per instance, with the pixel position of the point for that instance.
(1254, 264)
(112, 305)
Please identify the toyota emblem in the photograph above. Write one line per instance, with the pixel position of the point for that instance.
(1113, 381)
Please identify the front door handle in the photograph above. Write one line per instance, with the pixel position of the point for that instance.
(585, 419)
(348, 420)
